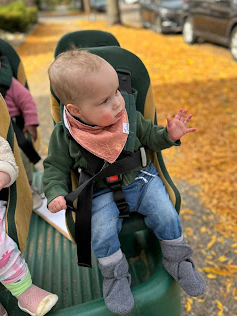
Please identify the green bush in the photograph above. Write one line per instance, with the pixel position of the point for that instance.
(32, 14)
(16, 17)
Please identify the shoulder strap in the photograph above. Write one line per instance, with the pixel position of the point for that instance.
(95, 163)
(25, 144)
(99, 171)
(84, 194)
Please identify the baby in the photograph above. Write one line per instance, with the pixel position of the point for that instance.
(22, 108)
(14, 272)
(94, 118)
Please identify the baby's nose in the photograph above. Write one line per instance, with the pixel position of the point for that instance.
(116, 104)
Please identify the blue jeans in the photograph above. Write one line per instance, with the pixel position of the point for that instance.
(146, 195)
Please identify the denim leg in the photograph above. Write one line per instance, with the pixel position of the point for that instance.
(156, 206)
(105, 225)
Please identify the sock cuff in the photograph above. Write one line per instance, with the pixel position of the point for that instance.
(17, 288)
(115, 257)
(177, 240)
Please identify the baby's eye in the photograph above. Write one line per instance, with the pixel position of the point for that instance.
(105, 101)
(116, 92)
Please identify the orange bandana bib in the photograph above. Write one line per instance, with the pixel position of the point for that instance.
(104, 142)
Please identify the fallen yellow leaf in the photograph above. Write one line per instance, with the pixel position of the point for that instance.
(188, 304)
(212, 242)
(222, 259)
(211, 276)
(220, 307)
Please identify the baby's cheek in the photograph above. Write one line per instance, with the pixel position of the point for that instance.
(106, 117)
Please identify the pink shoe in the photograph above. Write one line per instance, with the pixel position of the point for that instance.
(36, 302)
(3, 312)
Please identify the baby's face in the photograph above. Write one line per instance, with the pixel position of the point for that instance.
(103, 105)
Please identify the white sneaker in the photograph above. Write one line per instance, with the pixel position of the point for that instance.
(37, 200)
(36, 301)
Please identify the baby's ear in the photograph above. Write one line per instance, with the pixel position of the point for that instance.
(73, 109)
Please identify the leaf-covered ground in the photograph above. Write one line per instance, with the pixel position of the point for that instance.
(203, 79)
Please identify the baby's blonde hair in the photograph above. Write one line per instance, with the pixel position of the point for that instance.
(67, 74)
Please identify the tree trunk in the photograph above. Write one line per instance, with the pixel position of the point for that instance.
(113, 12)
(87, 7)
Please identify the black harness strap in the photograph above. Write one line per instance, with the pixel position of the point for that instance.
(83, 211)
(125, 83)
(3, 90)
(99, 170)
(115, 183)
(25, 144)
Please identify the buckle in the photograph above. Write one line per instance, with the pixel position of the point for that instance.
(113, 180)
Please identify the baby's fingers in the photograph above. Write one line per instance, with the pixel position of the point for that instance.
(190, 130)
(169, 121)
(187, 119)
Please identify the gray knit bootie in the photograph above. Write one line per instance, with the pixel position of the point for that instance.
(178, 263)
(116, 287)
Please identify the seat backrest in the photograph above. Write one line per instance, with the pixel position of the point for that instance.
(19, 198)
(17, 71)
(84, 39)
(15, 62)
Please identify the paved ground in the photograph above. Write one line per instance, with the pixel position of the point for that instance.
(198, 223)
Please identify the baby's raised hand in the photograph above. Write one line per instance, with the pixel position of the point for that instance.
(4, 179)
(177, 127)
(58, 204)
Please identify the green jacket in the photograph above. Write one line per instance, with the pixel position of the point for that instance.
(64, 156)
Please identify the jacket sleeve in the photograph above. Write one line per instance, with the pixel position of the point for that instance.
(153, 136)
(58, 165)
(7, 161)
(23, 99)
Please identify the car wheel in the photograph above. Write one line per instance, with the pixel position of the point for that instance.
(233, 43)
(157, 26)
(188, 32)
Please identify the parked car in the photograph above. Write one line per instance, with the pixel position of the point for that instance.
(98, 5)
(214, 21)
(163, 16)
(130, 1)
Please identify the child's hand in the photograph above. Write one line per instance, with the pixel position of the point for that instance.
(58, 204)
(4, 179)
(177, 127)
(32, 129)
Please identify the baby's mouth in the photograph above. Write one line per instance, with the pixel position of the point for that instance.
(119, 114)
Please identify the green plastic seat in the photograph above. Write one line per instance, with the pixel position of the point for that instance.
(18, 71)
(156, 293)
(15, 61)
(85, 39)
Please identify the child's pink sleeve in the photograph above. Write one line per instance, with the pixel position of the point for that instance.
(23, 100)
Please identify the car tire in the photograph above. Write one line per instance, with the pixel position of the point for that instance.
(188, 32)
(157, 26)
(233, 43)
